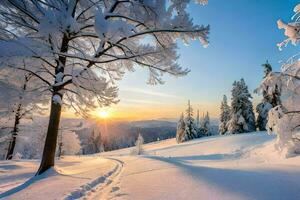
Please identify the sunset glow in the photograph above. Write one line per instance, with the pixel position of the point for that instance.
(103, 114)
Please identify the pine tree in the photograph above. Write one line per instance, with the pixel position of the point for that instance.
(180, 129)
(267, 68)
(206, 124)
(242, 117)
(190, 127)
(269, 100)
(224, 116)
(274, 97)
(198, 119)
(262, 110)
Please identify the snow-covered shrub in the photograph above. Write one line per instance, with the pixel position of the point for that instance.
(138, 150)
(281, 123)
(71, 143)
(284, 119)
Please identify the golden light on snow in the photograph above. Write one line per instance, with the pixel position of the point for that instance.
(103, 114)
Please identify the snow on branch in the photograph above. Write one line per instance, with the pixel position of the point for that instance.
(83, 47)
(284, 118)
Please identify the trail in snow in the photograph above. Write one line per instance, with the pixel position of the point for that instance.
(70, 173)
(99, 185)
(105, 191)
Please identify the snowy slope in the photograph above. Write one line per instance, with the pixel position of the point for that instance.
(242, 166)
(227, 167)
(72, 178)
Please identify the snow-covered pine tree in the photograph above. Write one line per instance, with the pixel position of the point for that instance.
(224, 116)
(206, 124)
(198, 119)
(270, 100)
(190, 126)
(242, 117)
(262, 110)
(284, 119)
(95, 142)
(79, 48)
(180, 132)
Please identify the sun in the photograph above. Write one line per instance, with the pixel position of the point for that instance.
(103, 114)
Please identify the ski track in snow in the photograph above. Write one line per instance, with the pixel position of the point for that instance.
(99, 187)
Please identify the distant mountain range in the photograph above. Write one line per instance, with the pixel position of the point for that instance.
(152, 123)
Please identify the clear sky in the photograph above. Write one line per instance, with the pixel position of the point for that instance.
(243, 35)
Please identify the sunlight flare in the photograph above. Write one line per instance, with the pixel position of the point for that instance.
(103, 114)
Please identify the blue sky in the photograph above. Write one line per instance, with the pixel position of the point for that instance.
(243, 35)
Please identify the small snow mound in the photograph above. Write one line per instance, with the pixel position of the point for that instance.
(270, 153)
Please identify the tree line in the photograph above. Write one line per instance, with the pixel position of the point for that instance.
(239, 117)
(188, 128)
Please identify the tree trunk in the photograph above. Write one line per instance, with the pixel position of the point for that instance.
(11, 147)
(55, 111)
(14, 133)
(51, 138)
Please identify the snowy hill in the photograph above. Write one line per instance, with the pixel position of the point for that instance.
(242, 166)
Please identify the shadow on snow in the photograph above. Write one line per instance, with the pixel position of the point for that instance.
(253, 184)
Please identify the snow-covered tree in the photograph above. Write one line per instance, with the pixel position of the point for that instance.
(68, 127)
(4, 138)
(190, 126)
(31, 138)
(79, 48)
(262, 110)
(205, 125)
(139, 145)
(242, 118)
(268, 101)
(224, 116)
(18, 101)
(284, 119)
(180, 133)
(71, 143)
(198, 119)
(94, 143)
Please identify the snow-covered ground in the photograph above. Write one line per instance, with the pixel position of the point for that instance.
(242, 166)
